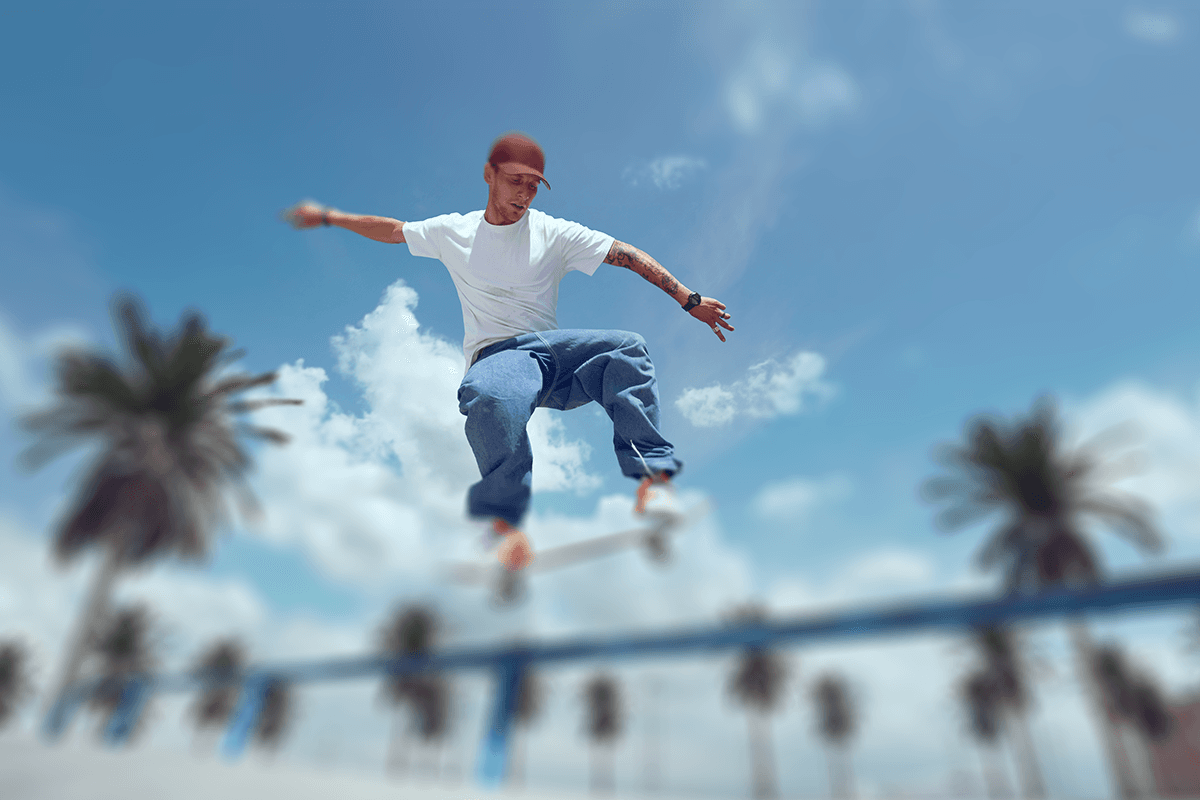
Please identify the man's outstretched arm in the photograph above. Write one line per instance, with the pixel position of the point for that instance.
(710, 311)
(381, 229)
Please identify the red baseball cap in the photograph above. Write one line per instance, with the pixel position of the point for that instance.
(519, 153)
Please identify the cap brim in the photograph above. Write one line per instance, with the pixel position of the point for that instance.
(517, 168)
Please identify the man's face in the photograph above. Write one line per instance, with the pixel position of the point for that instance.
(509, 194)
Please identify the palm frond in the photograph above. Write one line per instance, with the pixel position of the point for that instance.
(126, 646)
(170, 450)
(1000, 651)
(1067, 558)
(604, 714)
(1129, 517)
(835, 712)
(145, 345)
(429, 696)
(277, 714)
(243, 406)
(1152, 714)
(221, 662)
(954, 519)
(411, 630)
(1002, 545)
(982, 703)
(1024, 467)
(15, 683)
(240, 383)
(272, 435)
(531, 696)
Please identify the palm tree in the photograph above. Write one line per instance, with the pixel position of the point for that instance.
(412, 630)
(125, 647)
(1008, 674)
(170, 449)
(277, 716)
(214, 706)
(836, 723)
(531, 698)
(15, 683)
(605, 723)
(429, 696)
(982, 704)
(758, 683)
(1136, 709)
(1047, 490)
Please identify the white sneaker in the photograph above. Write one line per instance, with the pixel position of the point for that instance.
(656, 499)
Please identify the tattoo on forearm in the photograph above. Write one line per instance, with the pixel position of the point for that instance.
(629, 257)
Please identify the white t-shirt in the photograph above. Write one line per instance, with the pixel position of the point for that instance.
(507, 275)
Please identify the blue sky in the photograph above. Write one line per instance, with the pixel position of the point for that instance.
(915, 212)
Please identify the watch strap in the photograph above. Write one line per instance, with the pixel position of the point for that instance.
(693, 301)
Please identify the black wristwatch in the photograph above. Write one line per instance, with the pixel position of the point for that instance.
(693, 301)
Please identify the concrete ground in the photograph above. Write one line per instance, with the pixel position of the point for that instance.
(32, 770)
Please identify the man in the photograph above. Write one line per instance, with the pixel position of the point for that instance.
(506, 262)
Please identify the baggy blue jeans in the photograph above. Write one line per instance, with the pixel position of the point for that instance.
(562, 370)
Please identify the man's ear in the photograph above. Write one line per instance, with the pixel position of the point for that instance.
(489, 173)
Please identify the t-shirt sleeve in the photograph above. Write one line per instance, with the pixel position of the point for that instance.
(425, 238)
(582, 248)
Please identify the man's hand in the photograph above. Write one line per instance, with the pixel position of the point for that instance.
(712, 313)
(310, 215)
(305, 215)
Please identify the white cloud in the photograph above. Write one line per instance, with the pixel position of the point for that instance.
(888, 569)
(773, 81)
(794, 499)
(336, 494)
(1150, 26)
(1166, 434)
(666, 172)
(19, 385)
(334, 490)
(769, 390)
(825, 92)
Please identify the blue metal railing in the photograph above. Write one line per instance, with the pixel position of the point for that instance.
(510, 662)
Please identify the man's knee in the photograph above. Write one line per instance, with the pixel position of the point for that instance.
(631, 341)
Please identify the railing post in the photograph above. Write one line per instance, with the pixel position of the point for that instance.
(60, 714)
(493, 758)
(245, 716)
(134, 694)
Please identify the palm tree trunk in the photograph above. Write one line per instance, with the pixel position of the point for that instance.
(433, 765)
(1117, 762)
(396, 747)
(603, 768)
(847, 771)
(993, 775)
(94, 609)
(595, 771)
(611, 764)
(838, 762)
(832, 768)
(761, 757)
(1017, 727)
(1137, 747)
(516, 759)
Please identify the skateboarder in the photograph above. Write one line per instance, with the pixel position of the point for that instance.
(506, 262)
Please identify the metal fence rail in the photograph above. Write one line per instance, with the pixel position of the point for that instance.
(510, 662)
